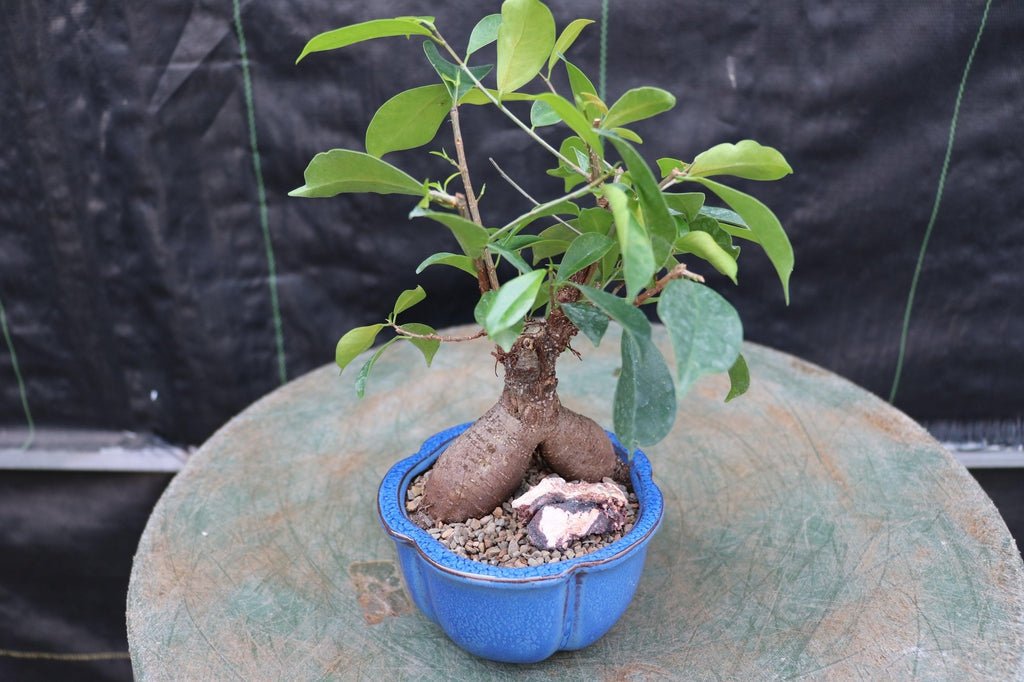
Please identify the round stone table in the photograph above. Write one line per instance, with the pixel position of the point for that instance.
(811, 531)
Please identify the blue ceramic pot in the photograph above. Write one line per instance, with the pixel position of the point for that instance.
(517, 615)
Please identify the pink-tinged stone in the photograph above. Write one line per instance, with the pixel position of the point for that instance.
(558, 513)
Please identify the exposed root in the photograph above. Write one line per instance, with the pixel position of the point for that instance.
(577, 449)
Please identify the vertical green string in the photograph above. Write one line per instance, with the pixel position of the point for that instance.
(261, 194)
(17, 375)
(603, 64)
(935, 206)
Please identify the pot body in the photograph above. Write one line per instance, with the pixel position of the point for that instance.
(517, 615)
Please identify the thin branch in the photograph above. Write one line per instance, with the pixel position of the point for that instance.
(438, 337)
(501, 107)
(541, 207)
(522, 191)
(443, 198)
(547, 82)
(678, 272)
(671, 179)
(471, 204)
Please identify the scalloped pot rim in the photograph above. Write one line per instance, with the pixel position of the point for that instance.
(391, 509)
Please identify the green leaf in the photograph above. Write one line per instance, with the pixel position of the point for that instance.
(572, 117)
(559, 208)
(525, 38)
(452, 75)
(548, 248)
(513, 301)
(714, 228)
(368, 30)
(584, 250)
(745, 159)
(634, 242)
(408, 120)
(484, 33)
(342, 170)
(541, 114)
(569, 35)
(464, 263)
(627, 134)
(594, 220)
(739, 378)
(408, 299)
(657, 220)
(667, 165)
(582, 86)
(686, 203)
(570, 147)
(588, 319)
(703, 245)
(514, 259)
(354, 342)
(364, 371)
(645, 402)
(471, 237)
(503, 337)
(723, 215)
(763, 223)
(626, 314)
(636, 105)
(704, 328)
(427, 347)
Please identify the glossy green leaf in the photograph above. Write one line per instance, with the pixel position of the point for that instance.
(541, 114)
(703, 245)
(513, 258)
(569, 35)
(636, 105)
(588, 319)
(763, 223)
(634, 243)
(745, 159)
(364, 371)
(525, 38)
(723, 215)
(657, 219)
(667, 165)
(703, 223)
(471, 237)
(570, 147)
(627, 134)
(428, 347)
(408, 299)
(454, 78)
(368, 30)
(513, 302)
(594, 220)
(572, 118)
(704, 328)
(484, 33)
(342, 170)
(584, 250)
(645, 402)
(582, 87)
(464, 263)
(548, 248)
(739, 378)
(686, 203)
(626, 314)
(408, 120)
(354, 342)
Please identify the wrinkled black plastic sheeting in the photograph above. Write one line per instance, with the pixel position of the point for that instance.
(66, 547)
(131, 257)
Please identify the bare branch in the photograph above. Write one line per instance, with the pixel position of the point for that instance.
(678, 272)
(540, 207)
(522, 191)
(671, 179)
(471, 208)
(438, 337)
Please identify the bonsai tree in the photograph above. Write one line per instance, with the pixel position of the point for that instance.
(606, 250)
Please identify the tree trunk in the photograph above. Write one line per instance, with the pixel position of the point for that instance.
(486, 464)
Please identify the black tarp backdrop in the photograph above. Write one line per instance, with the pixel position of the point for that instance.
(135, 275)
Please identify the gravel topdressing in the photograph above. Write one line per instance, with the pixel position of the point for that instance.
(497, 539)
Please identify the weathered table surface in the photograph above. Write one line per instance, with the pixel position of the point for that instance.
(811, 531)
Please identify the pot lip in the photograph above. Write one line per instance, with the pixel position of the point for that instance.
(391, 510)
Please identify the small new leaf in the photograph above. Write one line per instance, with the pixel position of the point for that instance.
(703, 245)
(745, 159)
(354, 342)
(569, 35)
(739, 378)
(484, 33)
(408, 299)
(636, 105)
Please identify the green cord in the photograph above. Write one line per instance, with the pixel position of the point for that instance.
(17, 375)
(603, 68)
(935, 206)
(261, 195)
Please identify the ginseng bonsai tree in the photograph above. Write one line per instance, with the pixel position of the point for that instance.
(610, 247)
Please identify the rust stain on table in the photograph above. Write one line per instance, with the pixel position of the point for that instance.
(811, 532)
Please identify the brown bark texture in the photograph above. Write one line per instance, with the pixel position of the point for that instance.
(485, 465)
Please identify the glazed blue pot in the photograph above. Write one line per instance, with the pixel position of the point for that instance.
(517, 615)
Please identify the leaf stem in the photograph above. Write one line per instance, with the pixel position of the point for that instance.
(678, 272)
